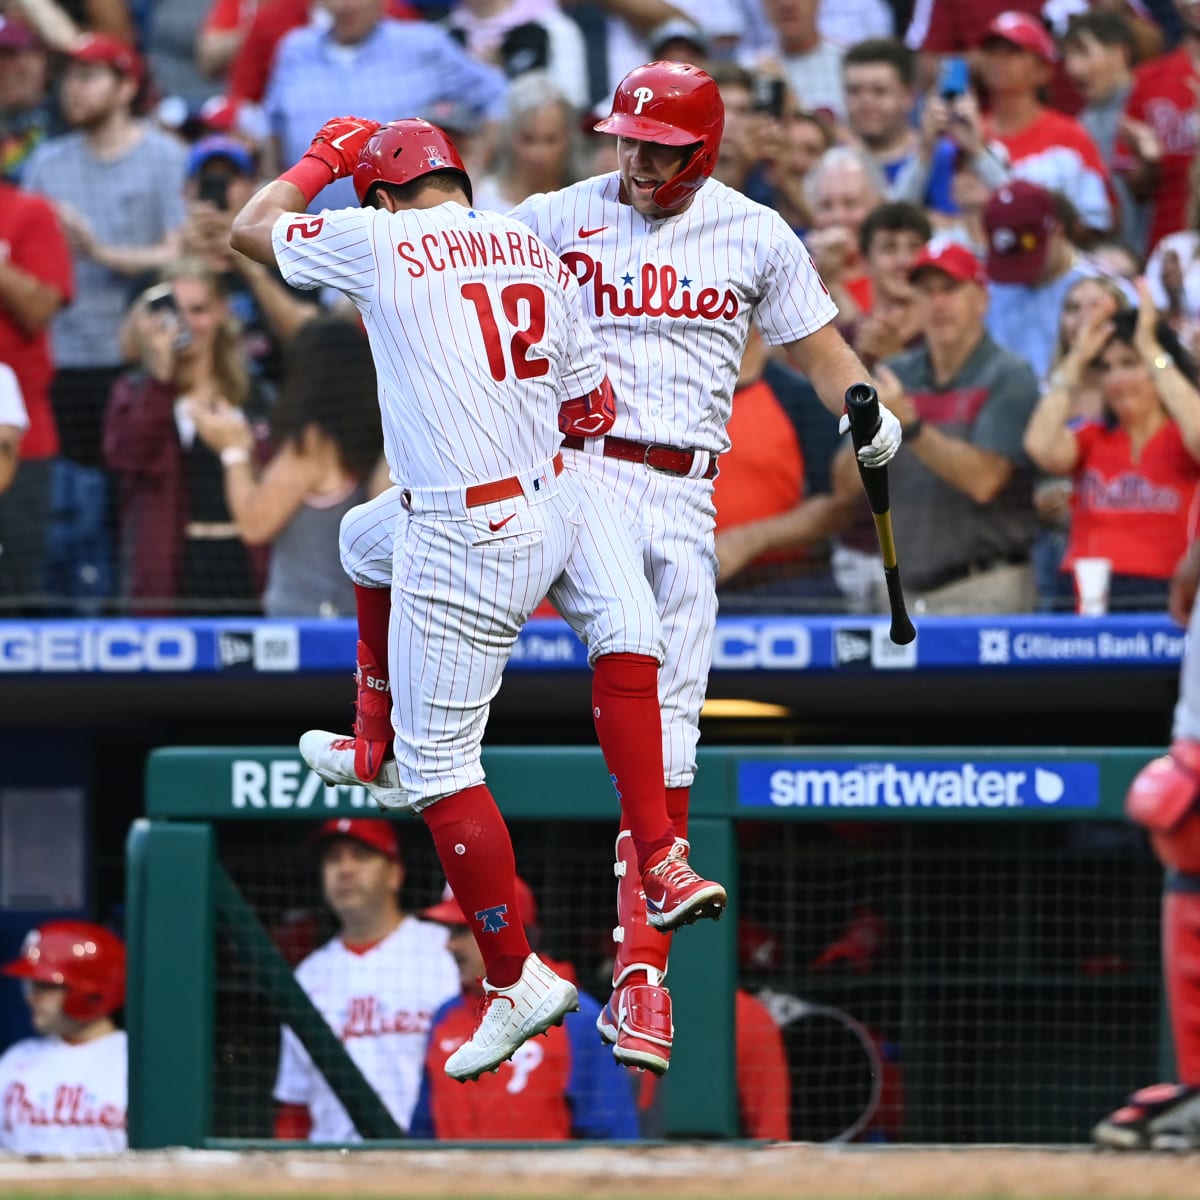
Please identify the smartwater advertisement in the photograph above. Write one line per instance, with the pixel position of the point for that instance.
(918, 784)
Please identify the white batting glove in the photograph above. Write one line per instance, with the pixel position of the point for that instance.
(881, 449)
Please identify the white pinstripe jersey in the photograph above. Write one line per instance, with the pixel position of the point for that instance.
(476, 329)
(672, 298)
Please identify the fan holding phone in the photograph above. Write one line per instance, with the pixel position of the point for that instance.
(221, 177)
(180, 545)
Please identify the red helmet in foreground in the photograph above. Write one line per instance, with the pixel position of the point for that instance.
(402, 151)
(674, 104)
(86, 959)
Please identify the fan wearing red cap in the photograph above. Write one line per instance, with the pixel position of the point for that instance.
(564, 1085)
(377, 983)
(1045, 146)
(964, 482)
(64, 1091)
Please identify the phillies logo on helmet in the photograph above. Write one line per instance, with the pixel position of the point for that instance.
(643, 96)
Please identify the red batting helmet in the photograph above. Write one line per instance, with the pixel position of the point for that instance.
(402, 151)
(86, 959)
(673, 104)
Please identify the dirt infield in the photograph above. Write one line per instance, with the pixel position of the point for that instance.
(683, 1172)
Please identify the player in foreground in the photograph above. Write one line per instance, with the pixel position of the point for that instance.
(64, 1091)
(1165, 799)
(673, 265)
(479, 338)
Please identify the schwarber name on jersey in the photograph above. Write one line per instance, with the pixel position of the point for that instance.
(380, 1003)
(672, 298)
(60, 1097)
(467, 288)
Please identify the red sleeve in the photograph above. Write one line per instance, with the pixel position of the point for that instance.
(251, 68)
(40, 247)
(293, 1123)
(224, 15)
(401, 11)
(763, 1081)
(138, 422)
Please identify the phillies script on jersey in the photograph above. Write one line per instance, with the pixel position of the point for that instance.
(662, 292)
(366, 1016)
(59, 1098)
(70, 1104)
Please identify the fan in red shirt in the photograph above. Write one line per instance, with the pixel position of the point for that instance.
(35, 282)
(1044, 146)
(1137, 472)
(1161, 129)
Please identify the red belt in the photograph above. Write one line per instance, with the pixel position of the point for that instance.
(501, 489)
(658, 458)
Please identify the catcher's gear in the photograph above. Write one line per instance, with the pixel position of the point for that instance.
(338, 143)
(1162, 799)
(402, 151)
(591, 415)
(672, 104)
(86, 959)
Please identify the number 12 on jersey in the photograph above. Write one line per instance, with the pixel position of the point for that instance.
(524, 306)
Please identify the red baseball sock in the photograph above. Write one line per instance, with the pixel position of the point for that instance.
(629, 728)
(476, 853)
(677, 809)
(374, 607)
(1181, 965)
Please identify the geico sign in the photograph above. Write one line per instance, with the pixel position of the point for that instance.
(100, 647)
(762, 645)
(286, 783)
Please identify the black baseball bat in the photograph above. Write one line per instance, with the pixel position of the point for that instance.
(862, 405)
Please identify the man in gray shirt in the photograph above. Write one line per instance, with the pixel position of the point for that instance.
(961, 486)
(117, 185)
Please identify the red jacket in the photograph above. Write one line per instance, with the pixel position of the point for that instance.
(142, 446)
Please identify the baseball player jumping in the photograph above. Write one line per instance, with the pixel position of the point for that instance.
(672, 265)
(478, 336)
(64, 1091)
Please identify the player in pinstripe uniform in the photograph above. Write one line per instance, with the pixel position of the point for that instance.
(673, 265)
(489, 522)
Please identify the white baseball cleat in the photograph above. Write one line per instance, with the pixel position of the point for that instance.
(331, 756)
(510, 1016)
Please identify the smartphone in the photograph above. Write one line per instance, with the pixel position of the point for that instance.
(954, 77)
(214, 189)
(769, 95)
(160, 300)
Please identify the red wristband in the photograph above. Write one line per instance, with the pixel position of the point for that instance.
(310, 175)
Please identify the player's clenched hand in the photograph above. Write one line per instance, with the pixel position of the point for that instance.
(881, 449)
(339, 141)
(591, 415)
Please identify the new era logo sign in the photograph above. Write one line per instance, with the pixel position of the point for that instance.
(235, 650)
(852, 646)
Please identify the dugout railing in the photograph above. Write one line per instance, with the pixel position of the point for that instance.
(1007, 969)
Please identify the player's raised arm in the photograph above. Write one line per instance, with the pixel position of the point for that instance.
(332, 155)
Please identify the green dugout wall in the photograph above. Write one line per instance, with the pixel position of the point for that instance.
(178, 891)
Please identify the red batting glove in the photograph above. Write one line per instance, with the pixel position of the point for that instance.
(338, 143)
(591, 415)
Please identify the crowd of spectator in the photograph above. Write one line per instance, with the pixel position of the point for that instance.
(1001, 197)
